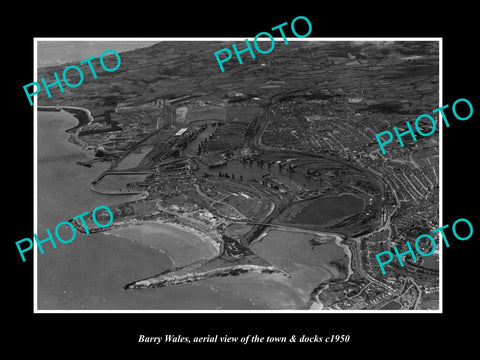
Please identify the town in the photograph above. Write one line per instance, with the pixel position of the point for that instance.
(420, 248)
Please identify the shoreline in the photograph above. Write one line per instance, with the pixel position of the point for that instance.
(348, 252)
(84, 117)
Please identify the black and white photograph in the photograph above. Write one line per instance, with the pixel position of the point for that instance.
(224, 180)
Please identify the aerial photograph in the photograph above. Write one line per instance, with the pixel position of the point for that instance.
(259, 188)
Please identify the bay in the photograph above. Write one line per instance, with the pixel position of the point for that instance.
(90, 272)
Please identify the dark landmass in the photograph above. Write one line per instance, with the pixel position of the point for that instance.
(234, 154)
